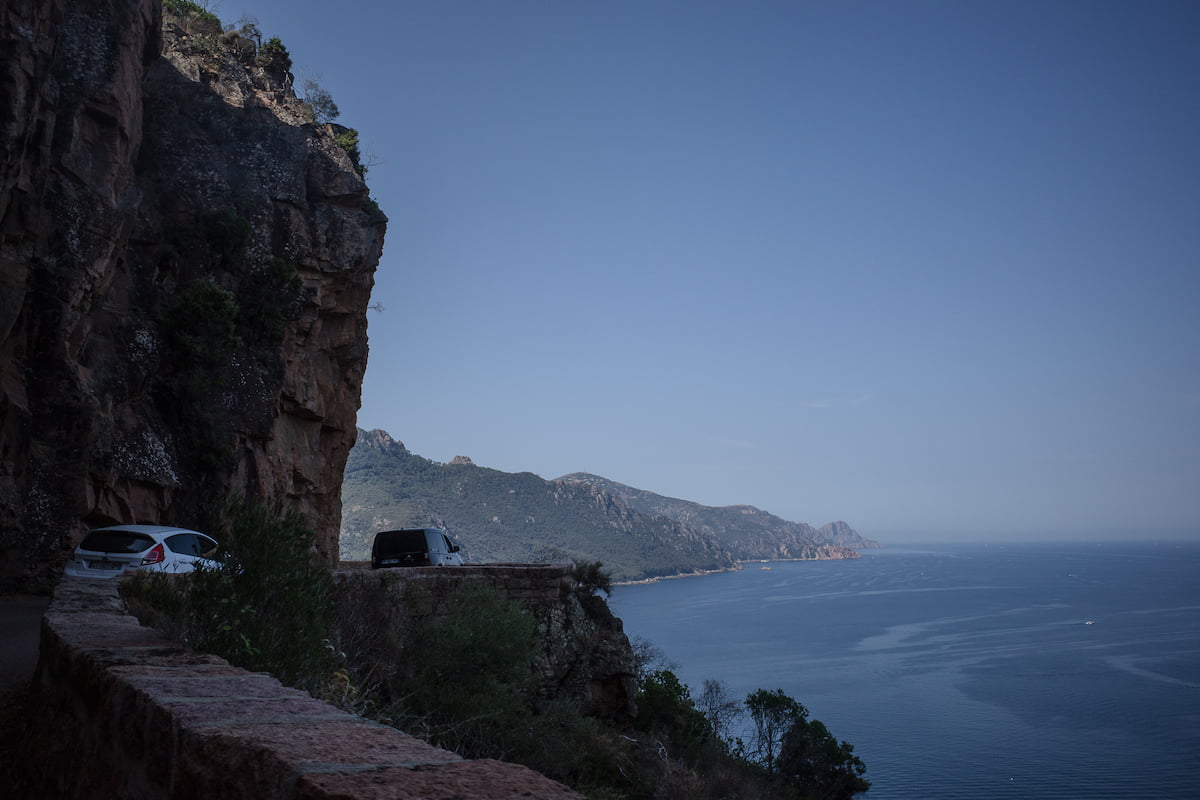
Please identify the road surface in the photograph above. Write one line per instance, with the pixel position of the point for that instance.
(20, 629)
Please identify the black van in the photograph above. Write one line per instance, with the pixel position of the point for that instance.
(414, 547)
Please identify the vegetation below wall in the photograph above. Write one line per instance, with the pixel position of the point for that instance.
(468, 682)
(267, 609)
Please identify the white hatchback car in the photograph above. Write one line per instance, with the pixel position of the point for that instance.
(113, 551)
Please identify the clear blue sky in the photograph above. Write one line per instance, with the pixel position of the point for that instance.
(932, 268)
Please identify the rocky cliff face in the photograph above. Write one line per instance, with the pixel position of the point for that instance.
(186, 259)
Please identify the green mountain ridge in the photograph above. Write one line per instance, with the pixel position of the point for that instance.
(749, 532)
(520, 517)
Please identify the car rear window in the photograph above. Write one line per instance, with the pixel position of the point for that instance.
(189, 544)
(116, 542)
(400, 542)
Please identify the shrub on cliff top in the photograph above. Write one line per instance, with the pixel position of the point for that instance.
(320, 101)
(194, 17)
(347, 139)
(273, 55)
(591, 577)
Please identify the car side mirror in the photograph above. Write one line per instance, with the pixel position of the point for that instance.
(454, 548)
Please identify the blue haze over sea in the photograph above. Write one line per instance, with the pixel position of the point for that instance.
(965, 671)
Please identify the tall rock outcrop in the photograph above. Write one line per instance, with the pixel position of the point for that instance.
(186, 259)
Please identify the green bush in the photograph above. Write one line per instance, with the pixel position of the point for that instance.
(818, 765)
(591, 577)
(347, 139)
(195, 18)
(265, 609)
(202, 324)
(227, 233)
(665, 709)
(206, 322)
(271, 296)
(273, 55)
(661, 698)
(472, 667)
(469, 686)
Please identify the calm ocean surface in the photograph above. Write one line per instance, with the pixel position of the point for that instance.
(965, 672)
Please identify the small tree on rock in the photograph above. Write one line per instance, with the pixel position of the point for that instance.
(719, 707)
(273, 56)
(321, 102)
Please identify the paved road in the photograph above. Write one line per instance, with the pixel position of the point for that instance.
(20, 629)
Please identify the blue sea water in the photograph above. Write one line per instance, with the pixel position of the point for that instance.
(965, 672)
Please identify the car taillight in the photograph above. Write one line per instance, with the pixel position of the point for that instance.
(156, 554)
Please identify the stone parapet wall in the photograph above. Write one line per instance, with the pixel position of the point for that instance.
(125, 712)
(536, 585)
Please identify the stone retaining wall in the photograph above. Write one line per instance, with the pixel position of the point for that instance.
(427, 591)
(125, 712)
